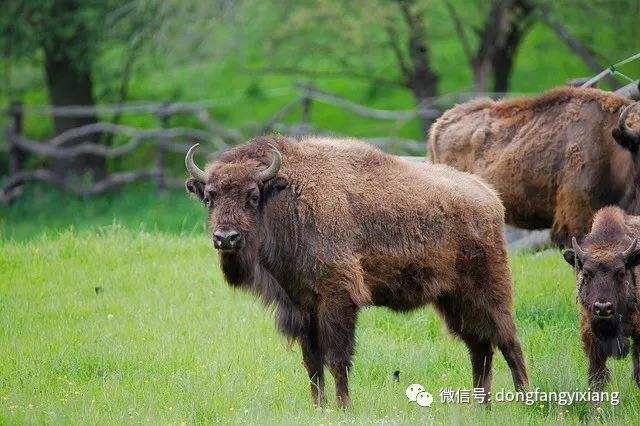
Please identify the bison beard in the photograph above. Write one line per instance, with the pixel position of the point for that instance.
(609, 338)
(336, 226)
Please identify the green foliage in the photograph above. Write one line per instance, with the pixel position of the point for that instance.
(29, 26)
(196, 50)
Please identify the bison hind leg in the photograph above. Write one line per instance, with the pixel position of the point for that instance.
(507, 341)
(462, 320)
(481, 328)
(481, 353)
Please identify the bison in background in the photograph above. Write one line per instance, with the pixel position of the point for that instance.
(322, 228)
(554, 159)
(607, 275)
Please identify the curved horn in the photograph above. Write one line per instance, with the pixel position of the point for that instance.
(272, 170)
(623, 129)
(580, 254)
(195, 171)
(632, 248)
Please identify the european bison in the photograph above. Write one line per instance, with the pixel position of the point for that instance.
(554, 159)
(321, 228)
(607, 277)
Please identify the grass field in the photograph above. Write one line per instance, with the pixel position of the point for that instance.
(164, 340)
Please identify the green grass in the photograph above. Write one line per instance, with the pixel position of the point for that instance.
(43, 210)
(167, 341)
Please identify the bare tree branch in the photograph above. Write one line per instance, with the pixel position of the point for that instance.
(322, 73)
(397, 51)
(457, 23)
(586, 54)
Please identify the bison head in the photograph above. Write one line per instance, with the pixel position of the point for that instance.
(235, 194)
(606, 286)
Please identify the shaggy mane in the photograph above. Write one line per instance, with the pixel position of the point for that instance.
(608, 227)
(607, 101)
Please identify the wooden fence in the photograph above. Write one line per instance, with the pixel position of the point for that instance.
(165, 140)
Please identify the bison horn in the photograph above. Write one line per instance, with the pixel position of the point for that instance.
(629, 252)
(195, 171)
(271, 171)
(580, 254)
(623, 129)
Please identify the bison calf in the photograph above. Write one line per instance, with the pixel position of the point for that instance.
(607, 276)
(321, 228)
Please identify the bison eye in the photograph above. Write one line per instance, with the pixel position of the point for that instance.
(620, 275)
(207, 201)
(587, 274)
(254, 199)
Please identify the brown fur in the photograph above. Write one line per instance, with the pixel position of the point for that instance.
(352, 227)
(605, 275)
(551, 158)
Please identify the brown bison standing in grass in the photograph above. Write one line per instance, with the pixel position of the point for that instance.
(606, 263)
(554, 159)
(321, 228)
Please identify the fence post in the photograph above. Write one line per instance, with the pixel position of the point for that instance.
(14, 130)
(305, 117)
(163, 115)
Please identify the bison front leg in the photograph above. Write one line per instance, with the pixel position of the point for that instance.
(336, 329)
(636, 360)
(312, 358)
(598, 372)
(481, 353)
(598, 378)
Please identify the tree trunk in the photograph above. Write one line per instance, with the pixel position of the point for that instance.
(502, 32)
(502, 66)
(424, 89)
(505, 52)
(419, 75)
(71, 84)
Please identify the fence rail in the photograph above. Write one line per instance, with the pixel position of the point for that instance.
(163, 140)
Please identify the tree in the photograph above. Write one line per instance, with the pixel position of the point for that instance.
(383, 41)
(65, 36)
(505, 25)
(414, 60)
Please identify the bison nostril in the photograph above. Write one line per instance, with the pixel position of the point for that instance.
(603, 308)
(226, 239)
(233, 237)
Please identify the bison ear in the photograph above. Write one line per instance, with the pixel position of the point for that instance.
(570, 256)
(273, 186)
(195, 187)
(624, 141)
(633, 260)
